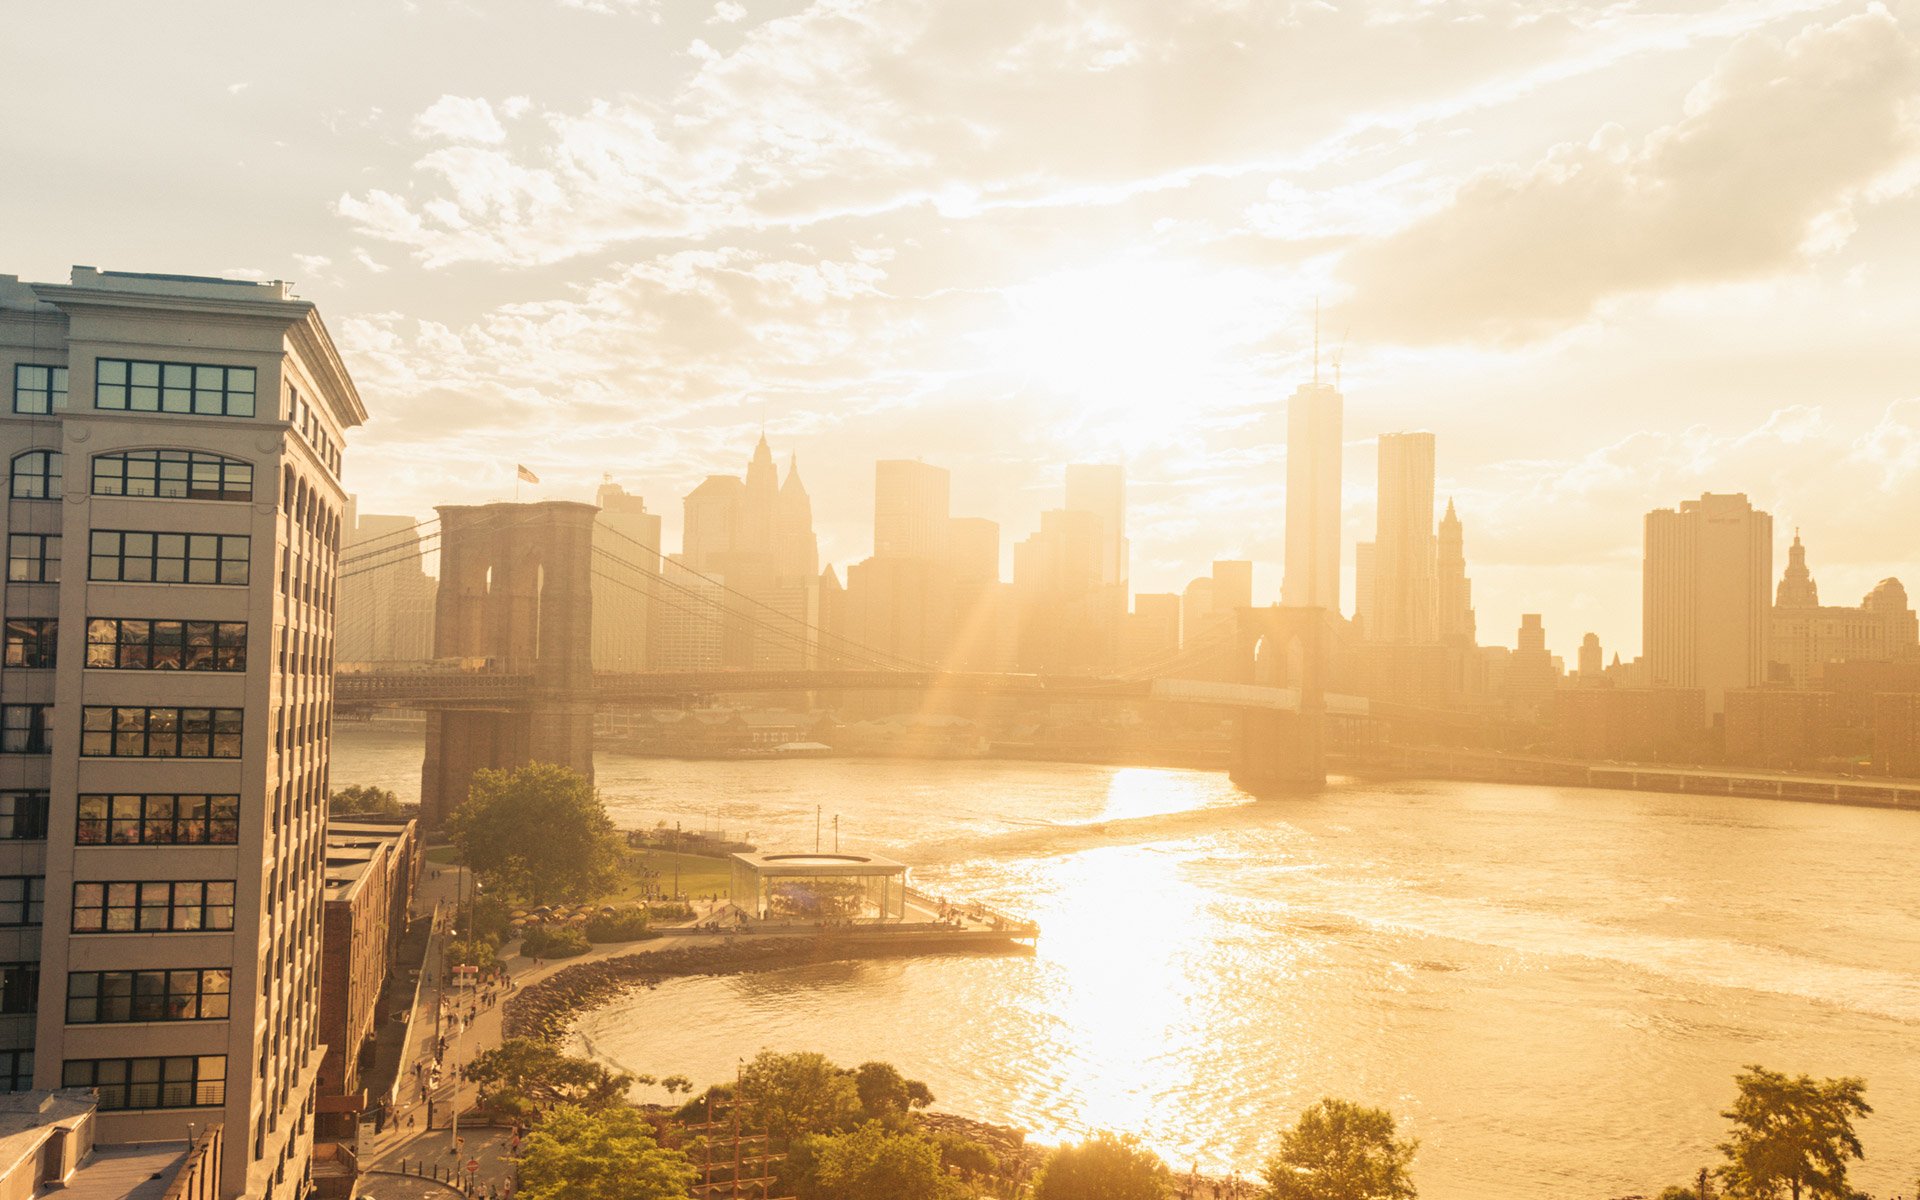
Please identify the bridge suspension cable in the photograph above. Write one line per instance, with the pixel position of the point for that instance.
(795, 632)
(905, 663)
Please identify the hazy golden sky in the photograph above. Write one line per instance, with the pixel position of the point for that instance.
(1612, 254)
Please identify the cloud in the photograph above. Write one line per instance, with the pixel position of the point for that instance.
(1765, 168)
(728, 12)
(460, 119)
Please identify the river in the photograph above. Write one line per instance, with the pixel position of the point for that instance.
(1551, 988)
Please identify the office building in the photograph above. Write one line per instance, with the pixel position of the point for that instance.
(626, 578)
(175, 518)
(911, 509)
(1453, 590)
(1531, 673)
(747, 575)
(1314, 450)
(1363, 614)
(385, 614)
(1805, 637)
(1153, 631)
(1232, 584)
(1705, 585)
(1101, 489)
(1404, 608)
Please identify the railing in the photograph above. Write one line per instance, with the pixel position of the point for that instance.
(400, 686)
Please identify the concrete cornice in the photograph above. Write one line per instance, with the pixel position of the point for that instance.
(299, 320)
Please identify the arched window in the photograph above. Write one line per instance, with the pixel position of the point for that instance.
(36, 475)
(172, 475)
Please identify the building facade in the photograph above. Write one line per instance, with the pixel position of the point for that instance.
(1705, 584)
(1806, 637)
(1315, 417)
(385, 613)
(1403, 585)
(626, 581)
(175, 519)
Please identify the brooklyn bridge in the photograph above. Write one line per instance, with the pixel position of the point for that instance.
(512, 679)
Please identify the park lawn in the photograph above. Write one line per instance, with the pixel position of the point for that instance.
(699, 875)
(444, 856)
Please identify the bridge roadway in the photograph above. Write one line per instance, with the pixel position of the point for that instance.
(427, 688)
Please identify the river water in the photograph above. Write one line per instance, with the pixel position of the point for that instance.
(1551, 988)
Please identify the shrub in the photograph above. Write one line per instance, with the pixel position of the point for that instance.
(670, 910)
(563, 942)
(627, 925)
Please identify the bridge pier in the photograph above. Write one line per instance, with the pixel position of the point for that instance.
(516, 589)
(1279, 751)
(1284, 647)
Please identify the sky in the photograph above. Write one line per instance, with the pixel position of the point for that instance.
(1613, 255)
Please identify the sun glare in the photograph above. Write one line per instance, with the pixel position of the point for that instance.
(1127, 349)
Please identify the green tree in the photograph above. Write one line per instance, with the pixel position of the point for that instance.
(1792, 1136)
(1339, 1150)
(539, 832)
(1104, 1167)
(885, 1094)
(870, 1163)
(363, 800)
(792, 1094)
(522, 1075)
(574, 1154)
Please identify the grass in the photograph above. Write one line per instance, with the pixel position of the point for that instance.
(698, 875)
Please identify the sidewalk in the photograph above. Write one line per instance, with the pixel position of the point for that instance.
(407, 1141)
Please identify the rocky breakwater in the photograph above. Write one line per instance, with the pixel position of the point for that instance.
(544, 1010)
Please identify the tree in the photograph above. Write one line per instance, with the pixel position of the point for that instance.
(870, 1163)
(539, 832)
(363, 800)
(1339, 1150)
(792, 1094)
(1792, 1136)
(885, 1094)
(574, 1154)
(524, 1075)
(1104, 1167)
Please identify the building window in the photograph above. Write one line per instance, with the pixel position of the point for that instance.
(137, 732)
(23, 816)
(173, 388)
(172, 475)
(21, 899)
(39, 389)
(16, 1070)
(126, 556)
(153, 906)
(128, 644)
(109, 997)
(30, 641)
(151, 1082)
(158, 820)
(26, 728)
(19, 988)
(36, 475)
(33, 557)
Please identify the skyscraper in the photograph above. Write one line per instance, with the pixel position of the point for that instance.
(185, 637)
(1403, 545)
(384, 615)
(1705, 585)
(625, 580)
(1101, 489)
(1455, 591)
(1314, 448)
(911, 505)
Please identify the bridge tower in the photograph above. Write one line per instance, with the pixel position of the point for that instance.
(516, 590)
(1290, 648)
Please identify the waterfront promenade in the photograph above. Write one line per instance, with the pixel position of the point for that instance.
(469, 1019)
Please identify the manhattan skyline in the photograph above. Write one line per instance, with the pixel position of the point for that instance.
(595, 263)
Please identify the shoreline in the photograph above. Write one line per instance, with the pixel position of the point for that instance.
(545, 1011)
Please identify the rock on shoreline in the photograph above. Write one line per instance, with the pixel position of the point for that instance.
(543, 1011)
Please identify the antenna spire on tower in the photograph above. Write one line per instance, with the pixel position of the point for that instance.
(1316, 341)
